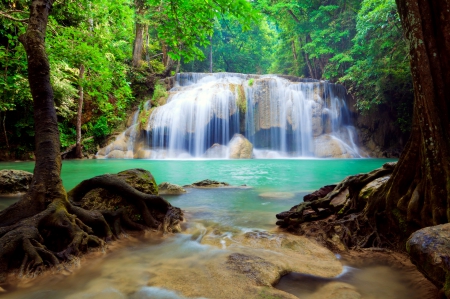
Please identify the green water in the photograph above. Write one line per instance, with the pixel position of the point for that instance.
(282, 174)
(231, 211)
(244, 208)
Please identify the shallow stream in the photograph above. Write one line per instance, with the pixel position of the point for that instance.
(135, 268)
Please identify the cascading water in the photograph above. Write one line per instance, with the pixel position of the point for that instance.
(280, 117)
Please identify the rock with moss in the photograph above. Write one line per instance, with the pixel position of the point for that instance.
(207, 184)
(14, 181)
(104, 200)
(429, 250)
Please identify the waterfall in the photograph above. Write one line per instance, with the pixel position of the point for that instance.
(280, 116)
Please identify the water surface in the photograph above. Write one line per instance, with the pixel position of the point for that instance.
(125, 272)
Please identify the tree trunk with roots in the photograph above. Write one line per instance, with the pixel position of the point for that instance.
(417, 193)
(46, 226)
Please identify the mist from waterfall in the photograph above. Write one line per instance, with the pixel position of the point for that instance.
(280, 116)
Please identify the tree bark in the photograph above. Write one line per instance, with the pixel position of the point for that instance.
(139, 35)
(420, 185)
(46, 184)
(210, 55)
(78, 151)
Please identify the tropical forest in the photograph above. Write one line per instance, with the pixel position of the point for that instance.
(225, 149)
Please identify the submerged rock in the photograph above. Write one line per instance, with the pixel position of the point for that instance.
(429, 250)
(14, 181)
(277, 195)
(240, 147)
(168, 188)
(207, 184)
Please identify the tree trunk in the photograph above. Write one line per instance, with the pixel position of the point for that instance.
(139, 36)
(46, 184)
(165, 58)
(420, 185)
(210, 55)
(78, 151)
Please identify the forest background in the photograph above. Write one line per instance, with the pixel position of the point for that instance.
(111, 54)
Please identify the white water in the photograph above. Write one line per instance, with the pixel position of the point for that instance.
(281, 118)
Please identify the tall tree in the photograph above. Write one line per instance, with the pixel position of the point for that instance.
(44, 227)
(417, 193)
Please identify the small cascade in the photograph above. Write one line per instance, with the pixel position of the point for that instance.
(280, 117)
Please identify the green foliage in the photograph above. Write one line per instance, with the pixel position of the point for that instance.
(159, 92)
(251, 81)
(101, 129)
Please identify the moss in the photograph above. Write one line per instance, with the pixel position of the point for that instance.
(160, 95)
(446, 287)
(241, 100)
(251, 81)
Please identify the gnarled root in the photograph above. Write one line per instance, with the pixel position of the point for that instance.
(69, 227)
(341, 218)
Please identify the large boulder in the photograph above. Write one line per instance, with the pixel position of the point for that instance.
(14, 181)
(240, 147)
(429, 250)
(327, 146)
(102, 199)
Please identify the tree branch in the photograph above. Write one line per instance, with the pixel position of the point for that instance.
(9, 17)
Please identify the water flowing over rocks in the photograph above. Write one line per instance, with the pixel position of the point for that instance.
(278, 116)
(14, 181)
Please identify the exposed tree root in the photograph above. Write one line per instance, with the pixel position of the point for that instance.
(64, 229)
(343, 218)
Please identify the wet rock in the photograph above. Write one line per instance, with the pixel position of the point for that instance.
(429, 250)
(251, 264)
(240, 147)
(277, 195)
(207, 184)
(168, 188)
(116, 154)
(326, 146)
(14, 181)
(216, 151)
(322, 192)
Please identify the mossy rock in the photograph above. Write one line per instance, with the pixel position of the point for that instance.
(101, 199)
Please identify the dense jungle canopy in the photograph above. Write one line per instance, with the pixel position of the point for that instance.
(110, 53)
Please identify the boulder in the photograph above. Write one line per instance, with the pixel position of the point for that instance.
(216, 151)
(322, 192)
(14, 181)
(101, 199)
(240, 147)
(429, 250)
(168, 188)
(326, 146)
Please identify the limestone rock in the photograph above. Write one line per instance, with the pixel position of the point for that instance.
(216, 151)
(168, 188)
(429, 250)
(14, 181)
(326, 146)
(240, 147)
(116, 154)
